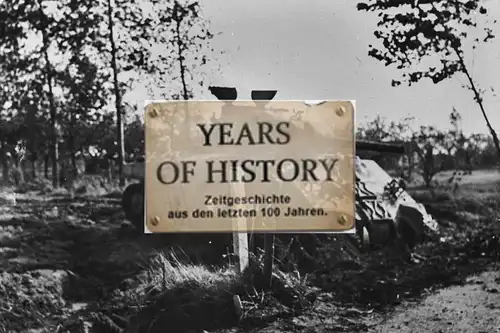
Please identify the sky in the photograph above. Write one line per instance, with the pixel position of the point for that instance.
(317, 49)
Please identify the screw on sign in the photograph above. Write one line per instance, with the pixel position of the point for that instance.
(340, 111)
(155, 220)
(342, 219)
(153, 113)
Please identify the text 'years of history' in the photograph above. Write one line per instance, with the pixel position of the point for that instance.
(247, 170)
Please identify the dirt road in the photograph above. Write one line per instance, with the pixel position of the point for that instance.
(474, 307)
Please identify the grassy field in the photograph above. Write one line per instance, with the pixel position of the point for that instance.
(71, 263)
(477, 179)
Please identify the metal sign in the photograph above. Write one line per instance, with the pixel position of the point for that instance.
(275, 166)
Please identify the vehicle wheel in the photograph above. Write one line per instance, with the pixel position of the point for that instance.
(133, 205)
(410, 233)
(410, 225)
(379, 233)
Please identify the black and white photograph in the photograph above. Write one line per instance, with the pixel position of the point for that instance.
(76, 251)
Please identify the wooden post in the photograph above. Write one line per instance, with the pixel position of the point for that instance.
(267, 95)
(240, 246)
(268, 258)
(240, 239)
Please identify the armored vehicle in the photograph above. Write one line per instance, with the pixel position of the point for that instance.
(384, 210)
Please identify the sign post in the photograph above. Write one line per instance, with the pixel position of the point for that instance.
(239, 239)
(268, 237)
(240, 235)
(286, 166)
(268, 258)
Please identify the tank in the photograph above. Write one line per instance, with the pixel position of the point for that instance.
(384, 209)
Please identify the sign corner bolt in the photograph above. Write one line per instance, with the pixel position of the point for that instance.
(342, 219)
(340, 111)
(155, 220)
(153, 112)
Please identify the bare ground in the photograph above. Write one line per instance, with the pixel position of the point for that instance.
(474, 307)
(71, 264)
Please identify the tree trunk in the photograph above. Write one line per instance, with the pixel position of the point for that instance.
(46, 166)
(407, 161)
(32, 133)
(411, 162)
(110, 171)
(5, 164)
(118, 102)
(428, 166)
(74, 167)
(33, 166)
(268, 259)
(32, 158)
(52, 105)
(178, 20)
(24, 169)
(62, 173)
(72, 149)
(479, 100)
(185, 93)
(5, 172)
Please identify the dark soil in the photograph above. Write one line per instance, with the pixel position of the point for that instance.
(71, 264)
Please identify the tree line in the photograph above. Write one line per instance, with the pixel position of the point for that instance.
(430, 150)
(426, 39)
(66, 65)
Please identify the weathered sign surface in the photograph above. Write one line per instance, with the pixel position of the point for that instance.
(249, 166)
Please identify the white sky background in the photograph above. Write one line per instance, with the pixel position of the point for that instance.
(317, 49)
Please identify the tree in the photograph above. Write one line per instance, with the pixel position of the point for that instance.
(19, 19)
(118, 94)
(86, 95)
(28, 102)
(106, 41)
(110, 37)
(185, 37)
(457, 143)
(379, 129)
(187, 19)
(402, 131)
(9, 124)
(428, 143)
(415, 31)
(134, 30)
(134, 138)
(47, 38)
(455, 137)
(374, 130)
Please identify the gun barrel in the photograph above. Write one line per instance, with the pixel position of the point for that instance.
(380, 147)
